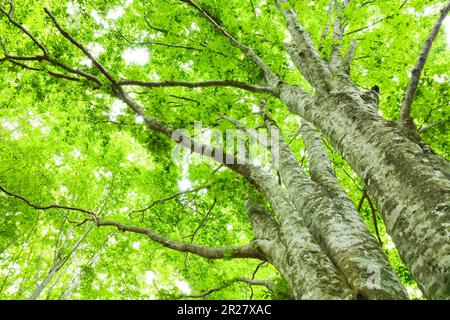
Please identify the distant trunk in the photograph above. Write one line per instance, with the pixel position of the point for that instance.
(410, 184)
(58, 263)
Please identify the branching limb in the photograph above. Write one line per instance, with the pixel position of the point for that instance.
(21, 27)
(254, 282)
(370, 25)
(320, 166)
(433, 125)
(320, 74)
(72, 40)
(374, 220)
(271, 77)
(148, 22)
(405, 113)
(250, 250)
(349, 56)
(159, 201)
(203, 220)
(253, 133)
(361, 201)
(157, 43)
(48, 207)
(373, 213)
(46, 57)
(202, 84)
(338, 34)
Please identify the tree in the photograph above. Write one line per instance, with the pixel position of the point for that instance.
(121, 165)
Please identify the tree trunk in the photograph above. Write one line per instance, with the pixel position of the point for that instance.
(408, 185)
(301, 262)
(333, 220)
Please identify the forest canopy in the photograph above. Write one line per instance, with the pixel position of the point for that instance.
(178, 149)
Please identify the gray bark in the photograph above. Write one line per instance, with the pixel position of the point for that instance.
(411, 191)
(295, 256)
(333, 220)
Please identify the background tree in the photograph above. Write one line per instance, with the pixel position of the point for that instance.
(93, 93)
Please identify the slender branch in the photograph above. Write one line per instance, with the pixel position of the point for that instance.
(52, 206)
(434, 124)
(370, 25)
(158, 43)
(373, 212)
(185, 99)
(255, 282)
(349, 57)
(15, 60)
(271, 77)
(203, 84)
(148, 22)
(251, 132)
(250, 250)
(253, 8)
(338, 34)
(361, 201)
(318, 70)
(66, 35)
(21, 27)
(405, 113)
(203, 220)
(378, 21)
(62, 76)
(79, 72)
(374, 219)
(159, 201)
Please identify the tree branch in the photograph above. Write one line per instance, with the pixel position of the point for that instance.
(21, 27)
(48, 207)
(349, 56)
(159, 201)
(374, 219)
(432, 125)
(320, 74)
(202, 84)
(320, 165)
(255, 282)
(405, 113)
(271, 77)
(250, 250)
(338, 34)
(158, 43)
(251, 132)
(148, 22)
(66, 35)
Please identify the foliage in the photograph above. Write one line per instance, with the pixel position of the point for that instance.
(73, 144)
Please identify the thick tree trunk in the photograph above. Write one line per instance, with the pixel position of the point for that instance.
(411, 191)
(333, 220)
(296, 258)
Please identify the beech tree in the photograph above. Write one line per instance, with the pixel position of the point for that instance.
(277, 149)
